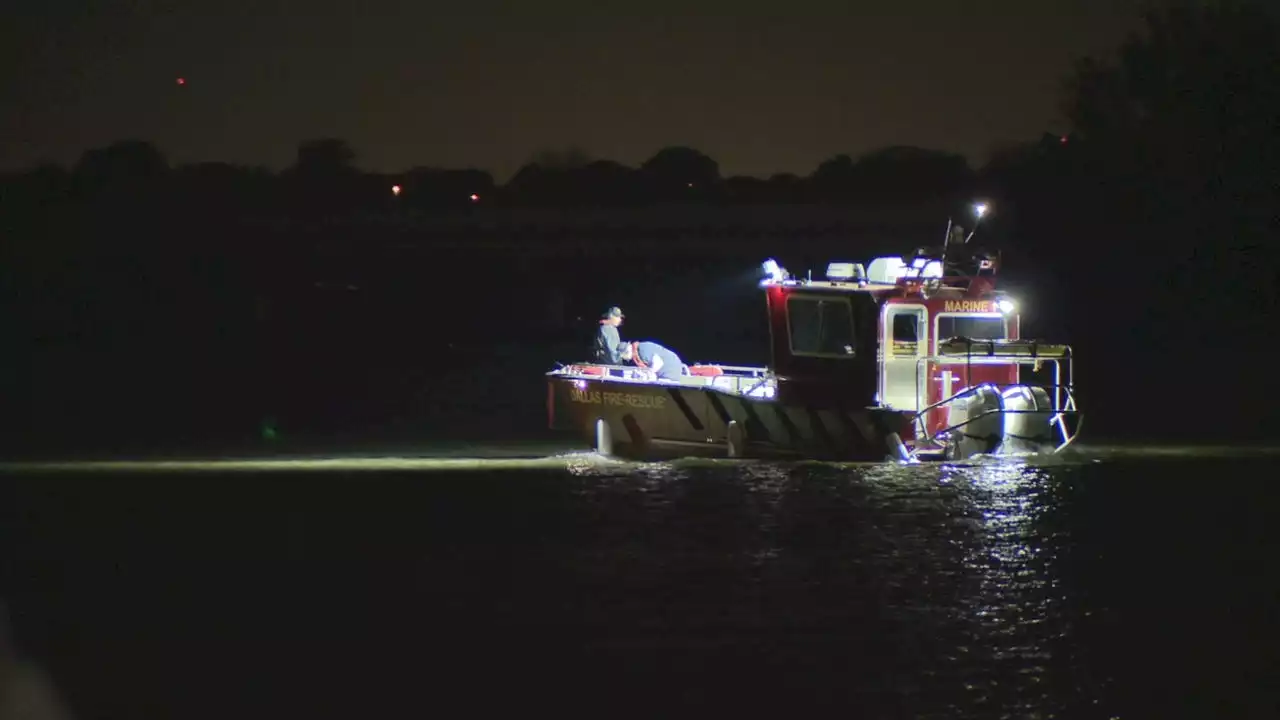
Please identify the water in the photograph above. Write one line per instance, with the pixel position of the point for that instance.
(1133, 584)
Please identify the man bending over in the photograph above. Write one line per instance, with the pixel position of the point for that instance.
(660, 361)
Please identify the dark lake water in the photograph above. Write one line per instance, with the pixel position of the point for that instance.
(1112, 584)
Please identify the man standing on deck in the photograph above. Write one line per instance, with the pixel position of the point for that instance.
(657, 359)
(605, 350)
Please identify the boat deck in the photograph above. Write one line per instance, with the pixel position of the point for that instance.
(753, 382)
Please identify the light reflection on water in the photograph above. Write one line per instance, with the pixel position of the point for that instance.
(941, 569)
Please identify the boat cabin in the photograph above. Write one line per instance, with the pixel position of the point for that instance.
(887, 335)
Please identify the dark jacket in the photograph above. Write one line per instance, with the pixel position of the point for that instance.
(605, 349)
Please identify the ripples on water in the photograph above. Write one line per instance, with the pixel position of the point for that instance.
(961, 591)
(920, 590)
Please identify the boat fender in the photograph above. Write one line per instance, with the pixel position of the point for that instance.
(604, 438)
(735, 439)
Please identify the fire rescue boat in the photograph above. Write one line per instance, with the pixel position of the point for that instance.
(904, 359)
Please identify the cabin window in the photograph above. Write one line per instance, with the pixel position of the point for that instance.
(821, 326)
(906, 334)
(968, 326)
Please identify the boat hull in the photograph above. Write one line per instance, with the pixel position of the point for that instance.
(646, 420)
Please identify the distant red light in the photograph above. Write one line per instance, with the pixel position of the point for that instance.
(182, 81)
(395, 190)
(1063, 139)
(475, 197)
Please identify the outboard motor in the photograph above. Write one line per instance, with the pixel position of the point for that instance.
(1028, 411)
(979, 414)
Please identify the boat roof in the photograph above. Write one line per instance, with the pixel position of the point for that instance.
(889, 276)
(948, 287)
(831, 285)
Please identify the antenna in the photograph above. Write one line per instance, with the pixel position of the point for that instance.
(979, 210)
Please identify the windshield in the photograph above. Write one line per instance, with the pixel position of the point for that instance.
(820, 326)
(968, 326)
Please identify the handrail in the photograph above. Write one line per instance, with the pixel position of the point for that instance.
(940, 403)
(1006, 386)
(747, 381)
(752, 372)
(1011, 349)
(763, 381)
(1033, 358)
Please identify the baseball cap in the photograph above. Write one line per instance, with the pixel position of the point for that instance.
(614, 311)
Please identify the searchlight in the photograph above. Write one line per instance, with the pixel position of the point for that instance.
(1005, 305)
(773, 272)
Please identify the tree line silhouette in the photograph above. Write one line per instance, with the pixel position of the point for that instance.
(325, 178)
(1146, 235)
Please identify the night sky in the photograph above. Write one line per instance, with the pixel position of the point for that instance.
(761, 87)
